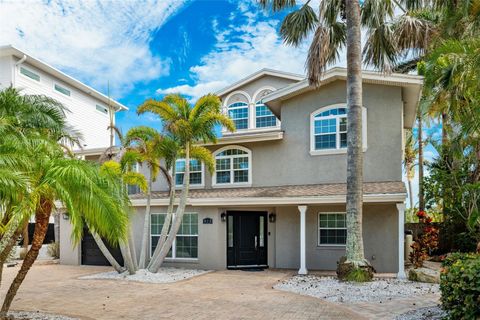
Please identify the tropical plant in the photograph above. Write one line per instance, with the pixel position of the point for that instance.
(37, 124)
(409, 158)
(338, 25)
(189, 125)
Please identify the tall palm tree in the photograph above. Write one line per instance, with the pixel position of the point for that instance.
(409, 157)
(189, 125)
(146, 142)
(338, 25)
(49, 175)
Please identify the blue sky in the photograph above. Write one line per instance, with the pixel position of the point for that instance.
(146, 48)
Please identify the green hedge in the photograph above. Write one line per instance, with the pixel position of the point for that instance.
(460, 286)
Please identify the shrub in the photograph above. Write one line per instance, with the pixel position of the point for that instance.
(53, 250)
(460, 286)
(426, 242)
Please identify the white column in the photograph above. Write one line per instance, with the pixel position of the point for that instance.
(401, 241)
(303, 265)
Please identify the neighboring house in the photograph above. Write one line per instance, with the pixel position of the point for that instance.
(89, 109)
(277, 197)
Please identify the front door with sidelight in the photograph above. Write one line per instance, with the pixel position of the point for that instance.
(246, 239)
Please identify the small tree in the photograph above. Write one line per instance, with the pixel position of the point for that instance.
(188, 125)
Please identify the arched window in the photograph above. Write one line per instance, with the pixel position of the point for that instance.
(263, 116)
(238, 112)
(232, 166)
(328, 129)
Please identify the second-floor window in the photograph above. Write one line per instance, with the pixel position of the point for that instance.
(232, 166)
(61, 89)
(238, 112)
(330, 129)
(263, 116)
(196, 172)
(28, 73)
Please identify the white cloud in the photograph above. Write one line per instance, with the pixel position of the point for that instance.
(96, 41)
(240, 51)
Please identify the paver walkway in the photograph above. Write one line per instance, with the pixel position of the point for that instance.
(216, 295)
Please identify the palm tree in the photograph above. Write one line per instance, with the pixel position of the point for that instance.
(189, 125)
(146, 142)
(338, 24)
(50, 176)
(409, 157)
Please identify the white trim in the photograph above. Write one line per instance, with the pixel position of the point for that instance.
(252, 201)
(259, 74)
(56, 84)
(227, 103)
(401, 238)
(191, 186)
(338, 150)
(328, 228)
(232, 183)
(254, 135)
(303, 236)
(29, 70)
(255, 99)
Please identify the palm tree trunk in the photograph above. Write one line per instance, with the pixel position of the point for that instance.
(41, 226)
(106, 253)
(421, 198)
(354, 247)
(6, 251)
(146, 224)
(178, 215)
(410, 193)
(166, 225)
(133, 251)
(127, 257)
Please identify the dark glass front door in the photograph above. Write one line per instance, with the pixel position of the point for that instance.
(246, 239)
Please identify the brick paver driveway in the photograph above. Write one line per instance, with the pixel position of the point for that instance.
(216, 295)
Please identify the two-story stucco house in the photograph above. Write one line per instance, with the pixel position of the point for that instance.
(277, 196)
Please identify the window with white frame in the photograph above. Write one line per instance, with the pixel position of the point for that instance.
(263, 116)
(30, 74)
(196, 172)
(62, 89)
(238, 112)
(332, 228)
(330, 129)
(232, 166)
(185, 245)
(101, 109)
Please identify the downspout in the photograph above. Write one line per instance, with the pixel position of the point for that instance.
(19, 62)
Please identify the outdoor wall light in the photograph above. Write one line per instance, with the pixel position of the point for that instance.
(272, 217)
(65, 216)
(223, 216)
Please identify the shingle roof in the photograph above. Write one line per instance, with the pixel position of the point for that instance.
(309, 190)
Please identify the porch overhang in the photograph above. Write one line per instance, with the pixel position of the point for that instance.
(374, 192)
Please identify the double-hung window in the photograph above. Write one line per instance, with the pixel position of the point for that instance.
(232, 166)
(330, 129)
(332, 228)
(263, 116)
(185, 245)
(196, 172)
(238, 112)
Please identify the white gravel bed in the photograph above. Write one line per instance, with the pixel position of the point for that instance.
(24, 315)
(379, 290)
(164, 275)
(427, 313)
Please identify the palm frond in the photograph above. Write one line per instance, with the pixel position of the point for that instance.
(204, 155)
(297, 25)
(277, 5)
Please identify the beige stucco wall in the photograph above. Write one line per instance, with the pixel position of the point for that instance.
(289, 162)
(380, 232)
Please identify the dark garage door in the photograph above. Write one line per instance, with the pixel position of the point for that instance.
(91, 254)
